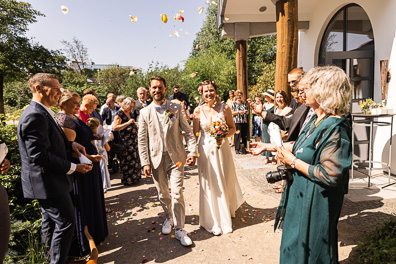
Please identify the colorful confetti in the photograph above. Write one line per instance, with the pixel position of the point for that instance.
(193, 74)
(200, 10)
(181, 11)
(164, 18)
(197, 134)
(133, 19)
(64, 9)
(176, 33)
(197, 47)
(178, 164)
(179, 17)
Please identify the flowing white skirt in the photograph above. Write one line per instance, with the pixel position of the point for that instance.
(220, 194)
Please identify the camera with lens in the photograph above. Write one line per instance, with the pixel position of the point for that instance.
(280, 174)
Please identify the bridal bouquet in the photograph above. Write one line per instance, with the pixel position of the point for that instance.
(218, 129)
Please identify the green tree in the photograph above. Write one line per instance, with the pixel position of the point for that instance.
(114, 79)
(260, 49)
(20, 56)
(76, 53)
(265, 81)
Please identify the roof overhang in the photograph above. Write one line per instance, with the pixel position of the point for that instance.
(253, 18)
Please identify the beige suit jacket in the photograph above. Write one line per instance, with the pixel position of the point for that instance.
(149, 136)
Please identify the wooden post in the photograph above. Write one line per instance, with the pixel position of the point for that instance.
(241, 67)
(242, 74)
(287, 42)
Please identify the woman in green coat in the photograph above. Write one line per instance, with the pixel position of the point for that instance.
(320, 159)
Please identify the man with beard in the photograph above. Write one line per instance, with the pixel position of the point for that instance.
(162, 154)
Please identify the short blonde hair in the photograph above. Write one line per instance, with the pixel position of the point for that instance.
(331, 89)
(127, 103)
(93, 123)
(90, 99)
(66, 96)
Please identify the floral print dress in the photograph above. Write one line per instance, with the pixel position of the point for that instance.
(129, 160)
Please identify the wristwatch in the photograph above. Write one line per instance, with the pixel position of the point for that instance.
(293, 163)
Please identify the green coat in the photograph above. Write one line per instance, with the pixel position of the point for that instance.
(310, 208)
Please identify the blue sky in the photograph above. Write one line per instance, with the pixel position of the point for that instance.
(106, 30)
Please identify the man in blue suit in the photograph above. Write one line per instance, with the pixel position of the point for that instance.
(45, 154)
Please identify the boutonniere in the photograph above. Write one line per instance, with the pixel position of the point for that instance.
(170, 114)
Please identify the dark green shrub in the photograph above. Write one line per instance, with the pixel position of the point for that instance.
(25, 214)
(379, 246)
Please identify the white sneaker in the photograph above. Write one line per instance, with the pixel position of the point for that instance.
(181, 235)
(167, 226)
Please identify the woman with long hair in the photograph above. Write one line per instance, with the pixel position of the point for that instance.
(220, 194)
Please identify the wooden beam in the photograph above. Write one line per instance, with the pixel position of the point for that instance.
(241, 67)
(242, 74)
(287, 42)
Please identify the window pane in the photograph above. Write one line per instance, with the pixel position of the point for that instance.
(359, 30)
(362, 89)
(333, 38)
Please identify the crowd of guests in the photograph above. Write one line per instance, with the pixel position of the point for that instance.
(312, 126)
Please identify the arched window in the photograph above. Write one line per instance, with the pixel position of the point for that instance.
(348, 42)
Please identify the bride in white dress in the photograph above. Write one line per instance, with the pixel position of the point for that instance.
(220, 194)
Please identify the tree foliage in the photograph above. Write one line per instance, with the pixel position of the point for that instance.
(261, 52)
(76, 53)
(265, 81)
(19, 55)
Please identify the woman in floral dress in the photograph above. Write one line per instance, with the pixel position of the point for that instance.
(125, 122)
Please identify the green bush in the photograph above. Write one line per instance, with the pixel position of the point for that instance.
(379, 246)
(25, 214)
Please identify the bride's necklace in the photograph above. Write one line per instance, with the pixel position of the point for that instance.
(211, 105)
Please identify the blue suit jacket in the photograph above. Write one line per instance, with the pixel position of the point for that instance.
(45, 152)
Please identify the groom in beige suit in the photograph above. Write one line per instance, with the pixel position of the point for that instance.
(162, 152)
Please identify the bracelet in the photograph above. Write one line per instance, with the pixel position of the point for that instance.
(293, 163)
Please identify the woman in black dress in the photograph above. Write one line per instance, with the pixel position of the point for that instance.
(125, 122)
(87, 194)
(240, 114)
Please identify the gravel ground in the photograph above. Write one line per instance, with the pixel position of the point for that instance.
(135, 223)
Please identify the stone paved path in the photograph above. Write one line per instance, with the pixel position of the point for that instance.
(135, 224)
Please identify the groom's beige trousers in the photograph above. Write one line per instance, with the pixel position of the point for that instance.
(173, 202)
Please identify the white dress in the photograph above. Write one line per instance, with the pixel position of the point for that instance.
(103, 165)
(220, 194)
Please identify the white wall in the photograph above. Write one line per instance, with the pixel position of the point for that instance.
(382, 15)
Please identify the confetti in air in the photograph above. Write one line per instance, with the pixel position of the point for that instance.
(176, 33)
(133, 19)
(164, 18)
(200, 10)
(64, 9)
(179, 17)
(178, 164)
(181, 11)
(197, 47)
(193, 74)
